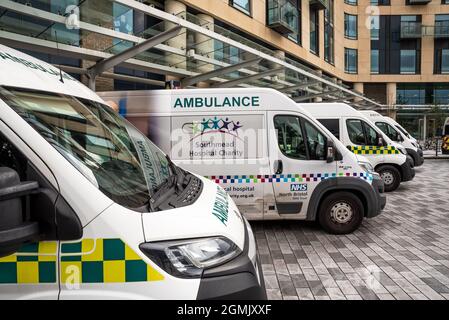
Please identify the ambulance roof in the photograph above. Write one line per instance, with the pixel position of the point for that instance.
(331, 110)
(197, 100)
(373, 115)
(20, 70)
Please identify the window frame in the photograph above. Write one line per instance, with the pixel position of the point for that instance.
(347, 50)
(241, 9)
(347, 24)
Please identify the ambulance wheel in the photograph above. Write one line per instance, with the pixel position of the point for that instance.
(341, 213)
(390, 176)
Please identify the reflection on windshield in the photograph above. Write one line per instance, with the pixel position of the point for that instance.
(105, 148)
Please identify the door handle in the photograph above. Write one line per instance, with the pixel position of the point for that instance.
(278, 166)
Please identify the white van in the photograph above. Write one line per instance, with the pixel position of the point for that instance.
(271, 156)
(389, 128)
(361, 136)
(90, 208)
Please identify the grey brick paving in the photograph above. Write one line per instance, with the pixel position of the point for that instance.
(401, 254)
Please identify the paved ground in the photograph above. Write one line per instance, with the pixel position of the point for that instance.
(401, 254)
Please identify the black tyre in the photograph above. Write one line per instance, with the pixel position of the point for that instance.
(390, 176)
(341, 213)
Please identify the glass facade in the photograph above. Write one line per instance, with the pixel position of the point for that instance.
(421, 93)
(350, 26)
(350, 60)
(351, 2)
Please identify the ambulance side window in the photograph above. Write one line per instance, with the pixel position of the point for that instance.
(333, 125)
(372, 137)
(290, 137)
(389, 131)
(316, 142)
(355, 131)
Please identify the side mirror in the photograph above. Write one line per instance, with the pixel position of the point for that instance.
(330, 152)
(15, 228)
(380, 142)
(278, 167)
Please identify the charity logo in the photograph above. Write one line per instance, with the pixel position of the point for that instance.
(212, 125)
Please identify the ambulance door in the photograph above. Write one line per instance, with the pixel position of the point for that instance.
(298, 152)
(31, 271)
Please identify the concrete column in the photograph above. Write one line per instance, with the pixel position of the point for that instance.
(204, 45)
(391, 99)
(358, 86)
(180, 41)
(279, 54)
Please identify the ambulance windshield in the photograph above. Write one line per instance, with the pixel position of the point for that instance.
(104, 147)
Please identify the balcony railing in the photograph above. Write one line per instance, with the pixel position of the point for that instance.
(319, 4)
(411, 29)
(282, 16)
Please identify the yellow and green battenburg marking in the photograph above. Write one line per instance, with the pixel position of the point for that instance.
(373, 150)
(86, 261)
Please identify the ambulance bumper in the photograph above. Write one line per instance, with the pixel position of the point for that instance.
(238, 279)
(418, 156)
(381, 199)
(407, 171)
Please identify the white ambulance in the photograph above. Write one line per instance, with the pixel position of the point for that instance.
(361, 136)
(90, 208)
(271, 156)
(389, 128)
(445, 137)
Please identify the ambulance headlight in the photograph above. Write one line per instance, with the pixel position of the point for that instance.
(188, 258)
(368, 167)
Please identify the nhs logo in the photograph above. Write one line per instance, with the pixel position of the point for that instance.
(298, 187)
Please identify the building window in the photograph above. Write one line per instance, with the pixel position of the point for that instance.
(329, 33)
(444, 1)
(380, 2)
(314, 31)
(350, 60)
(296, 36)
(350, 26)
(242, 5)
(408, 61)
(374, 25)
(351, 2)
(374, 61)
(443, 61)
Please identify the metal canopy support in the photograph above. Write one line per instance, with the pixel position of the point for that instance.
(300, 86)
(324, 93)
(233, 83)
(210, 33)
(114, 60)
(215, 73)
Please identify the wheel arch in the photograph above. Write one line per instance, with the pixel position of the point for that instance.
(358, 186)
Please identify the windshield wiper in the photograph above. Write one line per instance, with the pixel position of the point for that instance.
(179, 174)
